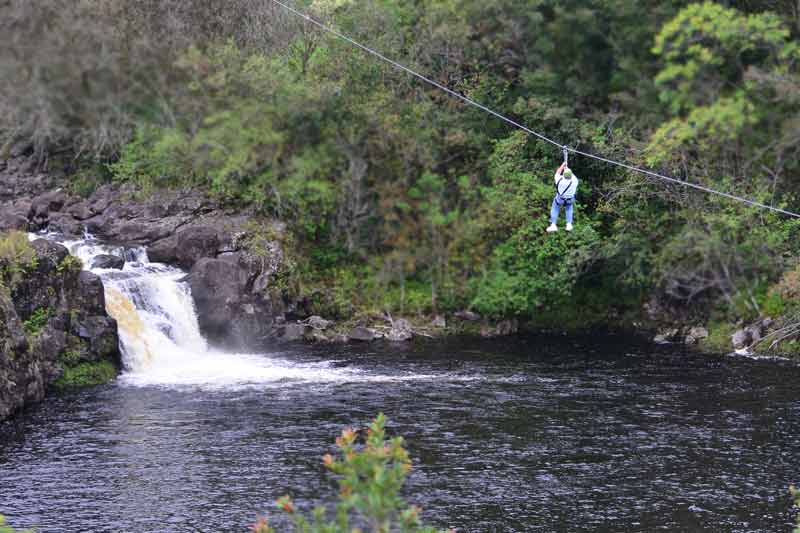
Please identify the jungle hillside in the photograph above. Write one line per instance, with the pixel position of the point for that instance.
(399, 198)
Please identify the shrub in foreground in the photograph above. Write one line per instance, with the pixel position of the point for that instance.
(370, 479)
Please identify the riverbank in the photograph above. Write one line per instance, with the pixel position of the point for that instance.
(54, 328)
(254, 284)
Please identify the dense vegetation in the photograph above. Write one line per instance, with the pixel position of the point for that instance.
(404, 199)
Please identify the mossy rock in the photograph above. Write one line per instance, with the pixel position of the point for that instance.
(87, 375)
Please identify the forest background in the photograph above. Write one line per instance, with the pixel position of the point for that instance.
(399, 198)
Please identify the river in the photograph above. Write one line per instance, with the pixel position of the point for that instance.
(537, 433)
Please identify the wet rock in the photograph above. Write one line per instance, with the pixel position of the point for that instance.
(362, 334)
(666, 336)
(217, 286)
(292, 332)
(741, 339)
(699, 333)
(50, 254)
(229, 314)
(469, 316)
(186, 247)
(401, 331)
(65, 224)
(108, 261)
(695, 335)
(507, 327)
(318, 323)
(439, 322)
(71, 301)
(317, 336)
(90, 293)
(80, 211)
(13, 221)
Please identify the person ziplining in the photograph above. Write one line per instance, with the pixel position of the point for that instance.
(556, 207)
(566, 188)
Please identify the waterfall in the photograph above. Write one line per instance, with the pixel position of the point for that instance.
(154, 310)
(160, 338)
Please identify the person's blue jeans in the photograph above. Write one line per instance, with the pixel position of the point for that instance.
(556, 209)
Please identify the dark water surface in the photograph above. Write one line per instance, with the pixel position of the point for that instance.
(532, 434)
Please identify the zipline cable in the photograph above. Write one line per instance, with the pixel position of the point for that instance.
(524, 128)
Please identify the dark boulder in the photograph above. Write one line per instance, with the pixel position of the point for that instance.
(292, 332)
(91, 295)
(186, 247)
(741, 339)
(48, 202)
(229, 314)
(401, 331)
(80, 211)
(65, 224)
(101, 333)
(361, 334)
(469, 316)
(13, 221)
(108, 261)
(50, 254)
(43, 206)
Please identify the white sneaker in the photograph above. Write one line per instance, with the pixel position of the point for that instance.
(569, 227)
(552, 228)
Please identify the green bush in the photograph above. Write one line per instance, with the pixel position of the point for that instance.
(87, 374)
(37, 321)
(370, 478)
(16, 257)
(719, 336)
(796, 495)
(534, 271)
(153, 158)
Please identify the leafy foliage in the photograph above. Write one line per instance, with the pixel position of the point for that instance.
(16, 256)
(399, 198)
(796, 495)
(370, 480)
(87, 374)
(37, 321)
(5, 528)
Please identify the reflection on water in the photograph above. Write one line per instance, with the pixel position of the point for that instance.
(537, 434)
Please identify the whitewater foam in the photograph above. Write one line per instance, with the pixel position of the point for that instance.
(160, 338)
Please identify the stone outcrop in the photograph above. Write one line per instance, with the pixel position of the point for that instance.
(52, 320)
(233, 281)
(108, 261)
(235, 307)
(751, 335)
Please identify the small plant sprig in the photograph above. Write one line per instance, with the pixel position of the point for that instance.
(370, 479)
(5, 528)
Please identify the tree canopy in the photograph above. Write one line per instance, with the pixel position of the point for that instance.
(428, 203)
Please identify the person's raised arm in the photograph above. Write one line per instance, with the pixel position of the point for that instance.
(560, 171)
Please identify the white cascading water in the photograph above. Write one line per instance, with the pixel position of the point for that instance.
(160, 338)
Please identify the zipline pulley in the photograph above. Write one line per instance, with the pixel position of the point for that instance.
(565, 150)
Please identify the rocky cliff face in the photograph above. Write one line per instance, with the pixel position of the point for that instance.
(54, 328)
(234, 282)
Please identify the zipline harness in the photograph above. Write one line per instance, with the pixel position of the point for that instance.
(564, 148)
